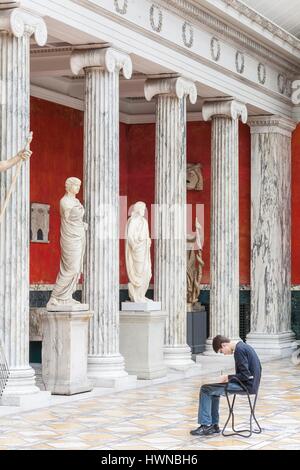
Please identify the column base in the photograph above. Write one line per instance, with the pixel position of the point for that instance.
(178, 357)
(109, 372)
(21, 389)
(272, 345)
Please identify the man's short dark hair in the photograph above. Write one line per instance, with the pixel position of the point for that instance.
(218, 341)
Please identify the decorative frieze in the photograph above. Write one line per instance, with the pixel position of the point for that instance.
(261, 73)
(215, 49)
(239, 62)
(121, 6)
(281, 83)
(187, 34)
(156, 18)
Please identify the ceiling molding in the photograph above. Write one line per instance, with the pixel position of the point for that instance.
(74, 103)
(264, 22)
(228, 31)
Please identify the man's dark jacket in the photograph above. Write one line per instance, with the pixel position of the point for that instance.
(247, 367)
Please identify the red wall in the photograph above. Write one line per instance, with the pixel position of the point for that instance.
(296, 206)
(57, 154)
(58, 150)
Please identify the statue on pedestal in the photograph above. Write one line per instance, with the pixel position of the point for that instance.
(138, 258)
(72, 243)
(194, 266)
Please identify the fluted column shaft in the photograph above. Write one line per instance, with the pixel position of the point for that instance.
(271, 234)
(224, 238)
(170, 214)
(16, 28)
(224, 248)
(101, 195)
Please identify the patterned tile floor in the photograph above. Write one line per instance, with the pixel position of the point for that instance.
(159, 417)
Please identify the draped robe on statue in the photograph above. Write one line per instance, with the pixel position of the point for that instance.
(138, 258)
(72, 243)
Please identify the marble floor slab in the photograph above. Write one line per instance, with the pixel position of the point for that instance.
(159, 416)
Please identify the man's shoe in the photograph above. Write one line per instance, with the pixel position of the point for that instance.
(217, 430)
(203, 430)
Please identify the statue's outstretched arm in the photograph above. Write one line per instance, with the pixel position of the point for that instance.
(22, 155)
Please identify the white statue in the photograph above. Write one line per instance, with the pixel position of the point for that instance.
(72, 243)
(194, 266)
(138, 258)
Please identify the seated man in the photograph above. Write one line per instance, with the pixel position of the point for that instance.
(248, 371)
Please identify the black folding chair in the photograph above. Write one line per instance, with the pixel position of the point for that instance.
(252, 403)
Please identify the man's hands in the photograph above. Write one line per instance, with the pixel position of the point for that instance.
(223, 379)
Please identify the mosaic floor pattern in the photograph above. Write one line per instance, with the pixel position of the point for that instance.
(159, 417)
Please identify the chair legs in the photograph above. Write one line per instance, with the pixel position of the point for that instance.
(241, 432)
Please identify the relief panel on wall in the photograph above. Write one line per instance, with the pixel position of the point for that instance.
(39, 225)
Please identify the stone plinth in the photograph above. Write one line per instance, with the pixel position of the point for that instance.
(65, 352)
(141, 307)
(141, 343)
(197, 329)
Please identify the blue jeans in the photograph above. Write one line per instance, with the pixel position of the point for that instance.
(209, 400)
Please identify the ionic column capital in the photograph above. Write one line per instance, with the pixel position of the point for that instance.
(19, 22)
(108, 58)
(179, 87)
(225, 108)
(271, 125)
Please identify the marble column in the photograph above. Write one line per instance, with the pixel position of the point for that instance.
(170, 211)
(101, 194)
(16, 28)
(271, 235)
(224, 236)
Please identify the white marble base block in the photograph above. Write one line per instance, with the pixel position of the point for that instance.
(141, 343)
(101, 194)
(141, 307)
(271, 235)
(170, 211)
(65, 352)
(224, 247)
(16, 28)
(269, 345)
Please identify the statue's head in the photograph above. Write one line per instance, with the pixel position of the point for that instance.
(73, 185)
(139, 208)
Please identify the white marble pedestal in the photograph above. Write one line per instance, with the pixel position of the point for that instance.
(142, 342)
(65, 350)
(141, 306)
